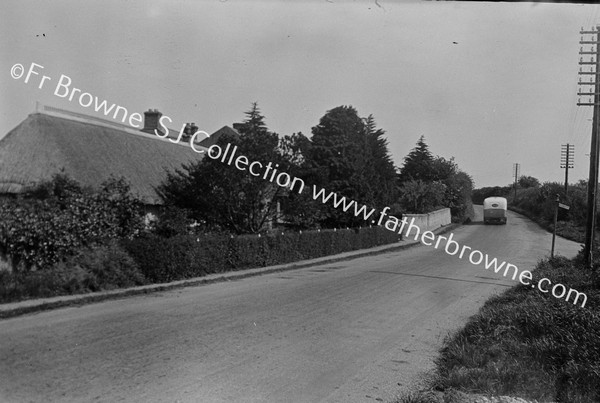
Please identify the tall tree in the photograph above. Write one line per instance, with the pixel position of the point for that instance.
(223, 196)
(336, 143)
(348, 155)
(442, 169)
(421, 169)
(418, 164)
(381, 170)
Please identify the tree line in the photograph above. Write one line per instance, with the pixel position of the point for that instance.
(346, 154)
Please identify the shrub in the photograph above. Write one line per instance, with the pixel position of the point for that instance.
(417, 196)
(539, 204)
(172, 221)
(106, 266)
(93, 269)
(458, 196)
(59, 217)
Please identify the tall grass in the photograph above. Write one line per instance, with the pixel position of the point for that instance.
(529, 344)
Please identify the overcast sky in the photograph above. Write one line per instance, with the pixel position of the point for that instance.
(489, 84)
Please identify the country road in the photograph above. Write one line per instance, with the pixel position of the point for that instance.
(354, 331)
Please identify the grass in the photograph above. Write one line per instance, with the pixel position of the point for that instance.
(565, 229)
(528, 344)
(101, 267)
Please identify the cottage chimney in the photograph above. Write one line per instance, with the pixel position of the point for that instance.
(193, 129)
(187, 132)
(151, 120)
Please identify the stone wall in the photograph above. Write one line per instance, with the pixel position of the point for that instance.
(429, 221)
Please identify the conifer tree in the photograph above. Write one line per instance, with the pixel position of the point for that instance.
(418, 164)
(224, 197)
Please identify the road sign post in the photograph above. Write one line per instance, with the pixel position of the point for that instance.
(558, 205)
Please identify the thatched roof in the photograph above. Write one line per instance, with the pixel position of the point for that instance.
(89, 150)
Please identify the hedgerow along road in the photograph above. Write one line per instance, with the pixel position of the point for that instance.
(352, 331)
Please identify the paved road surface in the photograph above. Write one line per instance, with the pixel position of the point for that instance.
(353, 331)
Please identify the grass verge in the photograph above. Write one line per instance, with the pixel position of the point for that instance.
(528, 344)
(565, 229)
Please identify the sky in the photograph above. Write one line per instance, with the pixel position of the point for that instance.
(490, 84)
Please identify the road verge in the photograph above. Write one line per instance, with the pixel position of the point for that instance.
(527, 344)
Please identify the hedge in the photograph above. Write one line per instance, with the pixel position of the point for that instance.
(185, 256)
(101, 267)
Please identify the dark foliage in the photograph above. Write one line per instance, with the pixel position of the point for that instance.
(223, 196)
(418, 164)
(528, 182)
(172, 221)
(59, 218)
(479, 195)
(428, 182)
(180, 257)
(540, 202)
(101, 267)
(348, 155)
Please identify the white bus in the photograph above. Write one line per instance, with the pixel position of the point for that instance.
(494, 210)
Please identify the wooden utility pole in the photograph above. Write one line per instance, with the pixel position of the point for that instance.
(593, 92)
(555, 220)
(516, 168)
(566, 162)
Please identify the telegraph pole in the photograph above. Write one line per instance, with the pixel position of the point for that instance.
(516, 169)
(566, 162)
(593, 92)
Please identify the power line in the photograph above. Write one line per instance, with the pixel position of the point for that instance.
(517, 171)
(590, 83)
(566, 161)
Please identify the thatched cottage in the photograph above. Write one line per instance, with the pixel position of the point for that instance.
(90, 150)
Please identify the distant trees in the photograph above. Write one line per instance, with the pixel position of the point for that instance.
(529, 182)
(479, 195)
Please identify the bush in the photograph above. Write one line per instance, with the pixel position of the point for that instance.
(58, 218)
(172, 221)
(539, 204)
(93, 269)
(458, 197)
(107, 267)
(417, 196)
